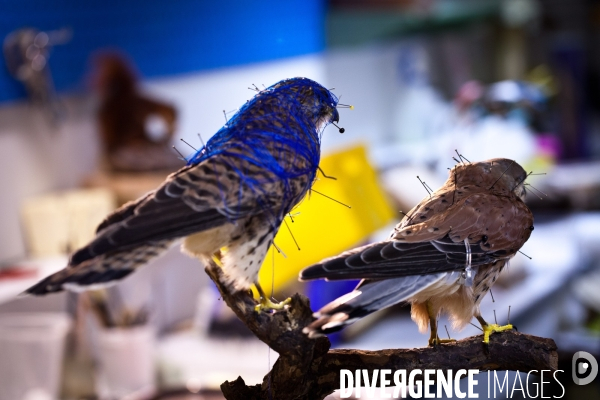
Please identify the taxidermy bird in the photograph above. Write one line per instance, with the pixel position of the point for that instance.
(227, 202)
(443, 256)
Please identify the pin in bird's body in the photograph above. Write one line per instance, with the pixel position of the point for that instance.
(228, 200)
(474, 223)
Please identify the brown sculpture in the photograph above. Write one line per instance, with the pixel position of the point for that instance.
(123, 119)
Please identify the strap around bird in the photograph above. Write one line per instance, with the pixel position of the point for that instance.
(467, 275)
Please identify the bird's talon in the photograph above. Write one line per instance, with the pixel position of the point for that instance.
(486, 348)
(489, 329)
(266, 304)
(435, 342)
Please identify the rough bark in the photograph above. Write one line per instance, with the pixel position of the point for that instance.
(308, 370)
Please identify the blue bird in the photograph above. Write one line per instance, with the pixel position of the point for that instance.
(227, 202)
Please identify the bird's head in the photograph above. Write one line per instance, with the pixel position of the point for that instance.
(511, 176)
(311, 100)
(497, 174)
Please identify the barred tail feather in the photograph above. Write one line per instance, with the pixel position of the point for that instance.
(368, 297)
(100, 271)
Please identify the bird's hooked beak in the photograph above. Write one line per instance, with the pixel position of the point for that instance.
(335, 117)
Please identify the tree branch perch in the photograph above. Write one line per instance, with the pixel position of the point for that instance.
(307, 369)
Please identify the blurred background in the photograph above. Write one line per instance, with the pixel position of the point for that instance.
(93, 95)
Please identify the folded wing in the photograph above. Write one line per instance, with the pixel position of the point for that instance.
(194, 199)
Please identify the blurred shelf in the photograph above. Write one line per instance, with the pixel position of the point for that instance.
(188, 359)
(127, 186)
(354, 26)
(24, 274)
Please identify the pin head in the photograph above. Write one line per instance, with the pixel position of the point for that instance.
(342, 130)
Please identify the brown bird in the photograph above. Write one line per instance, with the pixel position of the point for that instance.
(443, 256)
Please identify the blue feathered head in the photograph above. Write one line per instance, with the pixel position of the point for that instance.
(306, 97)
(292, 112)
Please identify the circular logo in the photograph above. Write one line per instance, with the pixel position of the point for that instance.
(585, 368)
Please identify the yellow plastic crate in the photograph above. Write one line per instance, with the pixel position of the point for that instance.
(322, 227)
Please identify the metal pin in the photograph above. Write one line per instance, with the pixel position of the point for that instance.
(507, 168)
(275, 246)
(189, 145)
(342, 130)
(330, 198)
(288, 227)
(272, 271)
(455, 178)
(447, 333)
(525, 255)
(495, 319)
(424, 185)
(461, 156)
(522, 180)
(407, 216)
(508, 319)
(536, 189)
(535, 194)
(225, 114)
(293, 215)
(178, 152)
(492, 294)
(279, 250)
(201, 141)
(476, 326)
(410, 217)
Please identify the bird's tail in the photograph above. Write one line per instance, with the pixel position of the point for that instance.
(100, 271)
(368, 297)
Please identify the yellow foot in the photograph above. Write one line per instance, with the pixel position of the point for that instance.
(266, 304)
(489, 329)
(435, 342)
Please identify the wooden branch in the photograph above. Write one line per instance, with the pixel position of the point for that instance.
(282, 331)
(511, 351)
(307, 369)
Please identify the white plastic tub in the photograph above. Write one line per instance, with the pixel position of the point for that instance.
(31, 355)
(125, 361)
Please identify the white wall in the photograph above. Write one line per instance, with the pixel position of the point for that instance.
(201, 98)
(37, 157)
